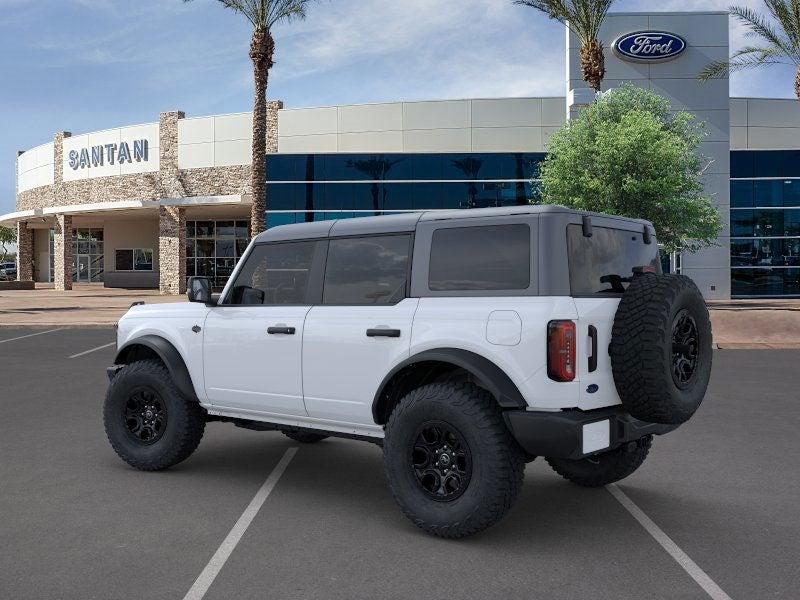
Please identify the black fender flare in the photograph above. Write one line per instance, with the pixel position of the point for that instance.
(493, 377)
(169, 355)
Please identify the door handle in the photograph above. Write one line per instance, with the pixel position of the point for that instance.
(280, 329)
(382, 332)
(593, 357)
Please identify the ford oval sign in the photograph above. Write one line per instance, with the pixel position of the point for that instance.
(649, 46)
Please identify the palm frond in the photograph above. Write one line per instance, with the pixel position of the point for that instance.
(744, 58)
(583, 17)
(759, 26)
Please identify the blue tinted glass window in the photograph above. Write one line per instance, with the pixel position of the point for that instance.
(366, 196)
(281, 167)
(768, 163)
(282, 196)
(463, 166)
(768, 223)
(765, 282)
(456, 195)
(790, 165)
(531, 163)
(426, 166)
(339, 196)
(275, 219)
(742, 223)
(429, 195)
(397, 196)
(791, 192)
(741, 252)
(768, 193)
(741, 194)
(742, 164)
(791, 222)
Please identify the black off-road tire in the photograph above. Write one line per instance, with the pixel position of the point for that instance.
(185, 419)
(643, 351)
(304, 437)
(497, 462)
(605, 468)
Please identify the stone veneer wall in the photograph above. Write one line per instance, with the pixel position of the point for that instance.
(62, 250)
(171, 249)
(24, 252)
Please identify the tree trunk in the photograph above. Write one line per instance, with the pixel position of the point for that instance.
(593, 64)
(797, 84)
(262, 48)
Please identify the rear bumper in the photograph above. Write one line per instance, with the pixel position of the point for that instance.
(575, 433)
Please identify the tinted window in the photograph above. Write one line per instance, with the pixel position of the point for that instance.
(275, 274)
(495, 257)
(604, 262)
(368, 270)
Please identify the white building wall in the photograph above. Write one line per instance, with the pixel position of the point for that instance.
(87, 141)
(765, 124)
(215, 141)
(706, 35)
(35, 167)
(480, 125)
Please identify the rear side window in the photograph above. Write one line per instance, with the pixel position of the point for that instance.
(492, 257)
(367, 270)
(274, 274)
(604, 262)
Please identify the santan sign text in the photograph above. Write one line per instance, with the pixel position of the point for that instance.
(97, 156)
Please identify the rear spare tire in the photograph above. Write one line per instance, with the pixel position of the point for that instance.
(661, 348)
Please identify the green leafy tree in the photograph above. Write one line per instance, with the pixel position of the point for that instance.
(263, 15)
(628, 155)
(8, 236)
(778, 40)
(584, 19)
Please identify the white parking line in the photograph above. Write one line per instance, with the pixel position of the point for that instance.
(695, 572)
(92, 350)
(206, 578)
(22, 337)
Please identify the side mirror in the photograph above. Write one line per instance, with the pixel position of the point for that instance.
(198, 289)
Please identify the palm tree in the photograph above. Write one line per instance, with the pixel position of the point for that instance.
(780, 42)
(262, 15)
(583, 18)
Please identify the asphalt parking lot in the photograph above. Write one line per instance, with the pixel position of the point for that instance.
(76, 522)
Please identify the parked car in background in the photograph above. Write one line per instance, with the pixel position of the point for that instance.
(8, 271)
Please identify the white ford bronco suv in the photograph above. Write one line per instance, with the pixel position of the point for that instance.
(465, 343)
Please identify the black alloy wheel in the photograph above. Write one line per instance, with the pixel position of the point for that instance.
(685, 348)
(441, 460)
(145, 415)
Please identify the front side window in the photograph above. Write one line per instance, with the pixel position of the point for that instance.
(492, 257)
(274, 274)
(604, 262)
(368, 270)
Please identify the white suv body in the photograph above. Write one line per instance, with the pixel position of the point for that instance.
(326, 375)
(452, 338)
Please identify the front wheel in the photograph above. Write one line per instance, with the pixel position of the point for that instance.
(607, 467)
(451, 463)
(150, 424)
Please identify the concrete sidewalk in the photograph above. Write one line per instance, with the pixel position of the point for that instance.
(87, 305)
(737, 324)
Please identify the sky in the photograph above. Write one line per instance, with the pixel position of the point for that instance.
(86, 65)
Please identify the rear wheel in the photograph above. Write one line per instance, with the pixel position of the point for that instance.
(451, 463)
(149, 423)
(605, 468)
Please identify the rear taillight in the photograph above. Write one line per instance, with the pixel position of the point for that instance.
(561, 350)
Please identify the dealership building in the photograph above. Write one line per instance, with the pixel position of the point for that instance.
(145, 206)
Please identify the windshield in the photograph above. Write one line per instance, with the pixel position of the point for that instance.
(604, 262)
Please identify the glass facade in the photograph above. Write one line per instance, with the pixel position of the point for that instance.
(314, 187)
(765, 223)
(213, 247)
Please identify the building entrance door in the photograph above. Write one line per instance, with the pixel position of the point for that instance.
(83, 268)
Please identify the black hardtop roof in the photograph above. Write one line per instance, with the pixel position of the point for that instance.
(407, 222)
